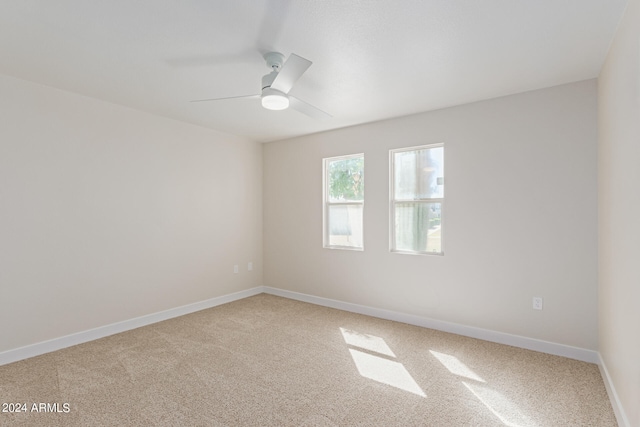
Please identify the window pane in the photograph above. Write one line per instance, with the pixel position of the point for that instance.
(346, 179)
(418, 227)
(419, 174)
(345, 225)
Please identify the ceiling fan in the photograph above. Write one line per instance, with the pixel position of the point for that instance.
(277, 84)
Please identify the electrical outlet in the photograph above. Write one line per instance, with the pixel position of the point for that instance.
(250, 266)
(537, 303)
(236, 269)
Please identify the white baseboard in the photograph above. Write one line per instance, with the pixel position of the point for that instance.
(621, 416)
(469, 331)
(577, 353)
(115, 328)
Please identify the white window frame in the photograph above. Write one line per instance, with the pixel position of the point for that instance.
(393, 201)
(327, 204)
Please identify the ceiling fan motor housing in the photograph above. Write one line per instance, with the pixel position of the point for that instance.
(273, 99)
(274, 60)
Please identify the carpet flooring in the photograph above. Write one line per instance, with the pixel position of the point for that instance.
(271, 361)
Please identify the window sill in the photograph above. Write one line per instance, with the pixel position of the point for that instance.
(394, 251)
(344, 248)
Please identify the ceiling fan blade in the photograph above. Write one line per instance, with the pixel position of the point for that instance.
(308, 109)
(229, 97)
(291, 71)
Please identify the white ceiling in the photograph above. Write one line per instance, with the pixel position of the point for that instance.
(372, 59)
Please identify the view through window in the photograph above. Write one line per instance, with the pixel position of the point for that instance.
(417, 197)
(343, 201)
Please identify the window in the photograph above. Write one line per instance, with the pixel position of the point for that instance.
(343, 190)
(417, 197)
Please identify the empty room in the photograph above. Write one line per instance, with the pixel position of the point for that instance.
(320, 213)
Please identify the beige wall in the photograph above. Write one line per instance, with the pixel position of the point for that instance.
(107, 213)
(520, 217)
(619, 212)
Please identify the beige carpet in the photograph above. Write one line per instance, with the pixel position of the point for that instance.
(270, 361)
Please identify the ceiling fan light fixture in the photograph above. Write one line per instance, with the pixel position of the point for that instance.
(275, 101)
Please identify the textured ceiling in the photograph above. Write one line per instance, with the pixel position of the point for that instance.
(372, 60)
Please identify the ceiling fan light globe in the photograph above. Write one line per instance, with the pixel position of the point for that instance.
(275, 102)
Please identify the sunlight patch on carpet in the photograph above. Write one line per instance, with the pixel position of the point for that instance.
(385, 371)
(366, 341)
(379, 366)
(455, 366)
(501, 406)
